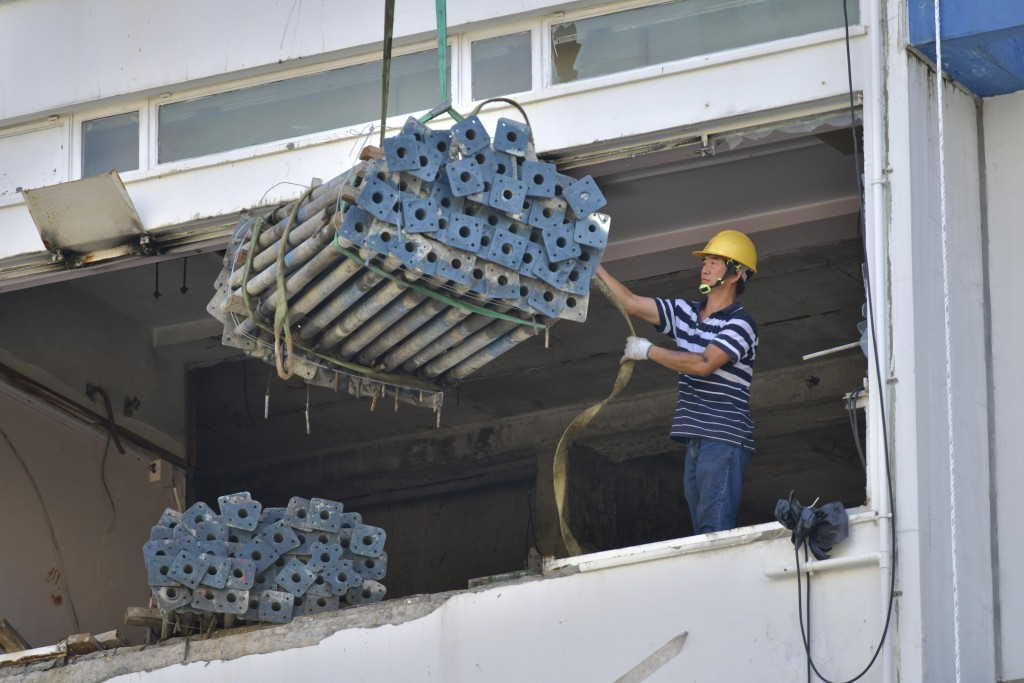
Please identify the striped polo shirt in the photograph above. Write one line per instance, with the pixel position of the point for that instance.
(715, 407)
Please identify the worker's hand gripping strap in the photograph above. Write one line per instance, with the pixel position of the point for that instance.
(730, 270)
(561, 466)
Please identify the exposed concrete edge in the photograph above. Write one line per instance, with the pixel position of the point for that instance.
(240, 642)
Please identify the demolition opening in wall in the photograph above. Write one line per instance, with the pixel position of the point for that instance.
(465, 490)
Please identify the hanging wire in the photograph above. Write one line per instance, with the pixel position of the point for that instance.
(947, 336)
(878, 381)
(49, 526)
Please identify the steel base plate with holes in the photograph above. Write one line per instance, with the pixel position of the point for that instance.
(368, 541)
(267, 578)
(276, 606)
(320, 586)
(240, 511)
(315, 604)
(372, 567)
(370, 591)
(436, 206)
(170, 598)
(217, 571)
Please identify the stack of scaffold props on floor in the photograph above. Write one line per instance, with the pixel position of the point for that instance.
(427, 260)
(261, 564)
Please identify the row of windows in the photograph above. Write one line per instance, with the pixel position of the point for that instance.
(585, 48)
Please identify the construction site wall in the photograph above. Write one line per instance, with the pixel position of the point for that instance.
(1004, 139)
(704, 608)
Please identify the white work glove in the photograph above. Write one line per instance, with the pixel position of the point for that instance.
(637, 348)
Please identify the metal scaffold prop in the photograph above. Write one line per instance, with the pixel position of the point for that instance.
(431, 257)
(261, 564)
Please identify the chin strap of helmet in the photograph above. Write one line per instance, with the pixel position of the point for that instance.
(731, 267)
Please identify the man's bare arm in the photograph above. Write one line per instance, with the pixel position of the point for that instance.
(640, 307)
(701, 364)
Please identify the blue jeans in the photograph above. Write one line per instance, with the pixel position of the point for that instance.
(713, 483)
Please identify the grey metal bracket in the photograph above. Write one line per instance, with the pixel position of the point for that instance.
(540, 178)
(297, 514)
(592, 230)
(464, 232)
(276, 606)
(545, 300)
(320, 586)
(575, 308)
(512, 137)
(323, 554)
(368, 541)
(320, 603)
(356, 225)
(470, 135)
(547, 213)
(507, 194)
(419, 214)
(371, 591)
(213, 530)
(372, 567)
(464, 177)
(241, 574)
(170, 598)
(217, 570)
(230, 601)
(500, 282)
(188, 568)
(239, 510)
(507, 248)
(342, 575)
(294, 577)
(198, 513)
(584, 197)
(260, 553)
(559, 242)
(401, 152)
(280, 537)
(379, 199)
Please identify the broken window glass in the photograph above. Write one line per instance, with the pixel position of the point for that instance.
(676, 30)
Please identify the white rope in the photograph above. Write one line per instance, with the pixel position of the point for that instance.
(948, 340)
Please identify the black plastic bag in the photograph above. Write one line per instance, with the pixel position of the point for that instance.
(822, 528)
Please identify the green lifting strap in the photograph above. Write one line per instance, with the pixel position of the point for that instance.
(385, 77)
(442, 49)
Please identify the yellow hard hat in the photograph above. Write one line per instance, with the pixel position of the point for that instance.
(732, 244)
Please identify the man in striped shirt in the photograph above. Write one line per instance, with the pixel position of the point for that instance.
(716, 342)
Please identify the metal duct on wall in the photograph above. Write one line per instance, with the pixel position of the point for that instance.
(429, 259)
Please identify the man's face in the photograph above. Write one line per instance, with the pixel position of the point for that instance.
(713, 268)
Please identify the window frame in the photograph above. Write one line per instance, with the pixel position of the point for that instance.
(79, 120)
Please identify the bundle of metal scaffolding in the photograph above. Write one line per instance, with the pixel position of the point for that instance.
(430, 258)
(264, 564)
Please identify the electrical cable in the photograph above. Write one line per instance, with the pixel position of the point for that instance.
(49, 526)
(851, 410)
(878, 380)
(103, 480)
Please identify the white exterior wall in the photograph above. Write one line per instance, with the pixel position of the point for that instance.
(919, 426)
(222, 46)
(594, 625)
(1004, 141)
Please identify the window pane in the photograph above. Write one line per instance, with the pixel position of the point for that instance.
(677, 30)
(298, 106)
(502, 66)
(110, 143)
